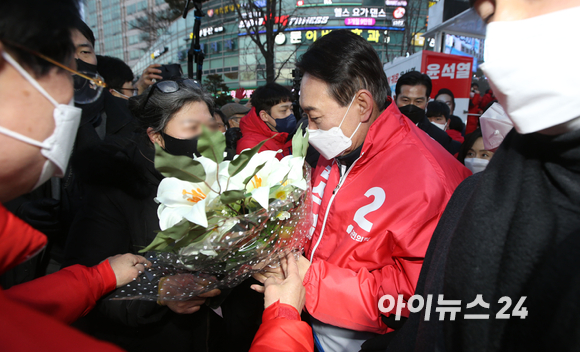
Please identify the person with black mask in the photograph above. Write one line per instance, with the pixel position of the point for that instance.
(105, 118)
(122, 217)
(270, 118)
(52, 207)
(411, 95)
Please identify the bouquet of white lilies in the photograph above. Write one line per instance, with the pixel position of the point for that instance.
(222, 220)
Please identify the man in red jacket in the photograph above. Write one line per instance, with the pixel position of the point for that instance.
(38, 125)
(379, 190)
(271, 119)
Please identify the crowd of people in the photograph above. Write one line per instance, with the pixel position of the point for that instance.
(480, 219)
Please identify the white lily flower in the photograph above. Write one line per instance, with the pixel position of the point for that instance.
(269, 176)
(183, 200)
(295, 175)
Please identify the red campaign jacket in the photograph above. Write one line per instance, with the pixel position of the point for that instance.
(254, 131)
(374, 224)
(282, 331)
(33, 315)
(455, 135)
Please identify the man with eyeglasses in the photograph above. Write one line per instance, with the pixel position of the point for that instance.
(37, 128)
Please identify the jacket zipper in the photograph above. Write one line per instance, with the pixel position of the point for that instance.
(334, 192)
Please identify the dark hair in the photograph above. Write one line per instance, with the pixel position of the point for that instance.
(347, 63)
(40, 25)
(414, 78)
(223, 117)
(448, 92)
(438, 108)
(85, 30)
(467, 144)
(161, 107)
(269, 95)
(114, 71)
(455, 123)
(475, 84)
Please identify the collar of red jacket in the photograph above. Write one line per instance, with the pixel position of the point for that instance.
(18, 240)
(386, 131)
(253, 124)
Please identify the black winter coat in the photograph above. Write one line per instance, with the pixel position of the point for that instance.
(118, 216)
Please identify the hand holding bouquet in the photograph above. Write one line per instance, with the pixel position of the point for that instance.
(221, 220)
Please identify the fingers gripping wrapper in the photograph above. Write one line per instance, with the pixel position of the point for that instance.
(243, 217)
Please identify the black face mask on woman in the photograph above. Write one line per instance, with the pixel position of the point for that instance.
(177, 147)
(413, 112)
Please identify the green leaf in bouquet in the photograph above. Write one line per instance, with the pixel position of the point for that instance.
(239, 163)
(164, 240)
(181, 167)
(300, 144)
(229, 197)
(212, 144)
(249, 178)
(196, 234)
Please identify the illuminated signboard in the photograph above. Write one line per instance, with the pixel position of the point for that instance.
(371, 35)
(399, 12)
(208, 31)
(374, 12)
(395, 3)
(290, 21)
(300, 21)
(398, 23)
(159, 52)
(359, 21)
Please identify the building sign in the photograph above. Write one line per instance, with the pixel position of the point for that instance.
(221, 10)
(205, 32)
(371, 35)
(398, 23)
(374, 12)
(285, 20)
(300, 21)
(359, 21)
(159, 52)
(296, 37)
(399, 12)
(396, 3)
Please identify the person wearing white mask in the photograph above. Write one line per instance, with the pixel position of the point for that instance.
(37, 128)
(379, 188)
(507, 245)
(473, 154)
(438, 114)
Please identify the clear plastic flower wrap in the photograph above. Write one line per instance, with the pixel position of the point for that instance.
(211, 241)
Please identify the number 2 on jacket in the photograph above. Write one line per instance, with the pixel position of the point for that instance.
(359, 216)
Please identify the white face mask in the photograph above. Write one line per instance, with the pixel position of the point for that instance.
(526, 79)
(58, 146)
(442, 126)
(333, 142)
(476, 165)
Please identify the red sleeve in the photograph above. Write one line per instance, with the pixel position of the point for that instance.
(476, 100)
(67, 294)
(282, 330)
(349, 299)
(244, 143)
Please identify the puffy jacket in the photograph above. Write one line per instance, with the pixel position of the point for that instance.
(254, 131)
(282, 331)
(373, 222)
(33, 315)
